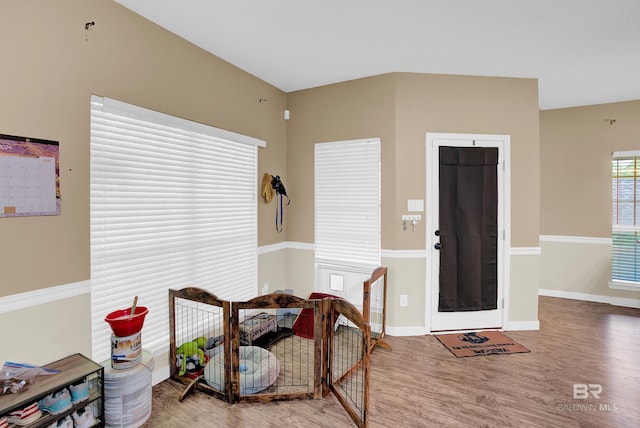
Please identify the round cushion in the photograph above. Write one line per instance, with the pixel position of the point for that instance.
(259, 369)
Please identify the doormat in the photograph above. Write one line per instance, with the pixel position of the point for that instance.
(480, 343)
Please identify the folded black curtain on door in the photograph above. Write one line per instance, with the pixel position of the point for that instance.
(468, 228)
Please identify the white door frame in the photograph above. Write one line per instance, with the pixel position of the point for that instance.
(433, 142)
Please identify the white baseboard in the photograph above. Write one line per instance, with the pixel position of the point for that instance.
(406, 331)
(626, 302)
(616, 301)
(521, 325)
(575, 239)
(160, 375)
(422, 331)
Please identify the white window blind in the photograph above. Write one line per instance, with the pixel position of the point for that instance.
(173, 205)
(626, 218)
(347, 202)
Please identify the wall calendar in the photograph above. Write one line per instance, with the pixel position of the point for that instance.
(29, 177)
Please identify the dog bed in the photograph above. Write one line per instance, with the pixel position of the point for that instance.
(259, 369)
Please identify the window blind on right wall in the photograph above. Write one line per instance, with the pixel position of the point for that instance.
(625, 186)
(347, 202)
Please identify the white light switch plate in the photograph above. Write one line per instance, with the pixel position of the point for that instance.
(415, 205)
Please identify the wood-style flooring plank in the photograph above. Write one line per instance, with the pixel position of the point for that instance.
(421, 384)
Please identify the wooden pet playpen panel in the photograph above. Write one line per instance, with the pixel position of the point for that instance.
(196, 313)
(299, 357)
(282, 347)
(374, 306)
(348, 356)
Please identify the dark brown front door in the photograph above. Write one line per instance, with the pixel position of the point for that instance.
(468, 213)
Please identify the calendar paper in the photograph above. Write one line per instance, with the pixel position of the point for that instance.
(29, 177)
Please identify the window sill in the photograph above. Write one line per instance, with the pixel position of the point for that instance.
(625, 285)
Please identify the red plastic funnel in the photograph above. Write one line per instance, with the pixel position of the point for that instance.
(123, 324)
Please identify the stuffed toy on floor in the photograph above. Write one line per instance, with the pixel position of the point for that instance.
(190, 356)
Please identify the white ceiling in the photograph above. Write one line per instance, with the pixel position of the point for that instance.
(581, 51)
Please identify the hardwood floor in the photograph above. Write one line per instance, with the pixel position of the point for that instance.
(421, 384)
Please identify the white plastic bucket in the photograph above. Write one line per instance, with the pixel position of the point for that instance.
(127, 393)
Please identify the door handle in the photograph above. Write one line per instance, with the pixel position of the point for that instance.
(437, 245)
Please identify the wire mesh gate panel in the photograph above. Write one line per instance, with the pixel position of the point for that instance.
(289, 331)
(349, 359)
(199, 325)
(374, 306)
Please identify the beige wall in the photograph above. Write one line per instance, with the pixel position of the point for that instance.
(406, 276)
(467, 104)
(581, 268)
(46, 332)
(576, 267)
(401, 108)
(52, 65)
(361, 108)
(575, 205)
(576, 200)
(523, 291)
